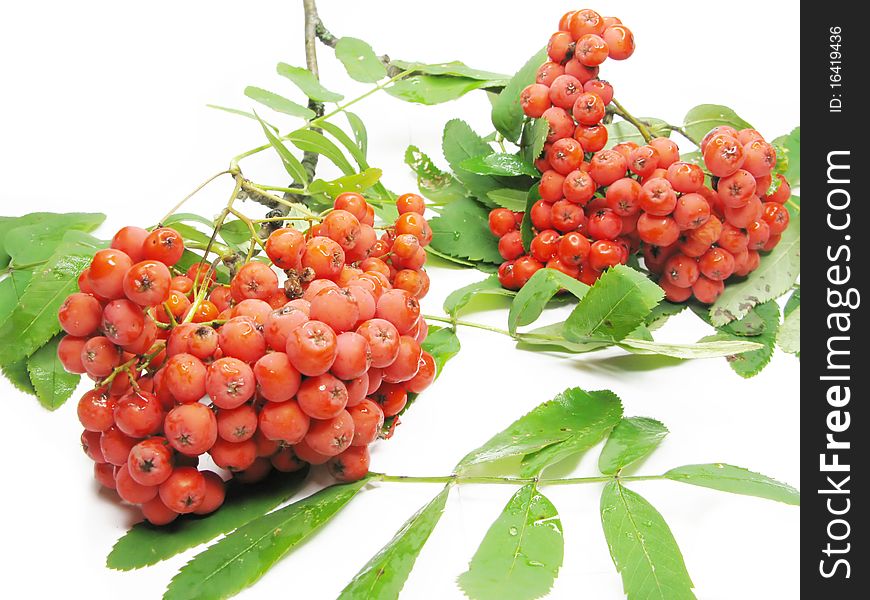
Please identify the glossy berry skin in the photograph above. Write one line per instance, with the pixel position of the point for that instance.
(164, 244)
(336, 307)
(706, 290)
(591, 50)
(585, 21)
(560, 47)
(588, 109)
(100, 356)
(96, 410)
(566, 155)
(410, 203)
(400, 308)
(184, 490)
(106, 273)
(607, 166)
(736, 189)
(573, 249)
(685, 177)
(130, 240)
(123, 322)
(657, 197)
(191, 428)
(716, 264)
(283, 421)
(567, 216)
(759, 157)
(592, 138)
(147, 283)
(157, 513)
(350, 465)
(535, 99)
(150, 461)
(138, 414)
(324, 255)
(284, 247)
(234, 456)
(623, 196)
(383, 339)
(69, 352)
(601, 88)
(80, 314)
(776, 216)
(230, 382)
(501, 222)
(241, 338)
(544, 245)
(116, 445)
(681, 271)
(278, 380)
(407, 361)
(643, 160)
(578, 187)
(185, 376)
(723, 155)
(237, 424)
(425, 374)
(130, 490)
(331, 437)
(691, 211)
(658, 231)
(604, 224)
(561, 125)
(564, 91)
(603, 254)
(620, 41)
(311, 348)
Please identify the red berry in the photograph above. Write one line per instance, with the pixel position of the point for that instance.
(80, 314)
(620, 41)
(331, 437)
(657, 197)
(716, 264)
(184, 490)
(191, 428)
(707, 290)
(130, 241)
(723, 155)
(573, 249)
(659, 231)
(603, 254)
(311, 348)
(283, 421)
(285, 246)
(106, 273)
(150, 461)
(692, 211)
(607, 166)
(591, 50)
(350, 465)
(163, 244)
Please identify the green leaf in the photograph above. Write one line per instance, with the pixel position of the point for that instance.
(191, 234)
(773, 277)
(709, 349)
(37, 242)
(506, 165)
(642, 547)
(437, 185)
(242, 557)
(662, 312)
(359, 60)
(11, 289)
(384, 576)
(704, 117)
(793, 302)
(460, 143)
(632, 439)
(507, 114)
(514, 200)
(552, 337)
(526, 228)
(146, 544)
(749, 364)
(358, 182)
(278, 103)
(345, 140)
(736, 480)
(462, 231)
(235, 232)
(291, 164)
(242, 113)
(312, 141)
(442, 344)
(6, 224)
(34, 321)
(567, 425)
(189, 258)
(52, 383)
(188, 217)
(432, 89)
(454, 69)
(521, 554)
(308, 83)
(791, 145)
(533, 297)
(459, 299)
(358, 128)
(614, 307)
(17, 374)
(532, 141)
(789, 338)
(623, 131)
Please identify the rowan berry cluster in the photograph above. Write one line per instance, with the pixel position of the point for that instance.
(599, 206)
(199, 381)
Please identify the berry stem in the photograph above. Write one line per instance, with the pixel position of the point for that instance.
(683, 133)
(191, 195)
(488, 479)
(622, 112)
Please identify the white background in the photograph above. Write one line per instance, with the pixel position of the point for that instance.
(103, 109)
